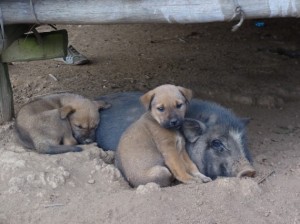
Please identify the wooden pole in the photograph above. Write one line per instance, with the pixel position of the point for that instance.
(6, 95)
(141, 11)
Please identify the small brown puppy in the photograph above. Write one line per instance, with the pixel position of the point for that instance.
(152, 149)
(56, 123)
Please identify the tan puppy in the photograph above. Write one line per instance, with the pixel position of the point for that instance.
(152, 149)
(56, 123)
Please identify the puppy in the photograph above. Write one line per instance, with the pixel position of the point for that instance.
(152, 149)
(56, 123)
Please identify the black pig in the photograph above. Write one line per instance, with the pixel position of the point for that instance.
(215, 137)
(216, 140)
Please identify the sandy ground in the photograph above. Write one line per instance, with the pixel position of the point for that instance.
(251, 71)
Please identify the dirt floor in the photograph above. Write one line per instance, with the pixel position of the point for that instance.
(255, 71)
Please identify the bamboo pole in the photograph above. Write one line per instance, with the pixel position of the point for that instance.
(141, 11)
(28, 48)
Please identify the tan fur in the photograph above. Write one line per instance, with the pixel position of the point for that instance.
(56, 123)
(151, 149)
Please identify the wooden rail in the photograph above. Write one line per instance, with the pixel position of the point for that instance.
(141, 11)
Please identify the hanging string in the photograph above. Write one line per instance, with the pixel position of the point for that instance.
(2, 31)
(239, 14)
(33, 11)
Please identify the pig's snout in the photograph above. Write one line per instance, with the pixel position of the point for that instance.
(247, 171)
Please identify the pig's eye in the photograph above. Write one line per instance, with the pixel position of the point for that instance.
(217, 145)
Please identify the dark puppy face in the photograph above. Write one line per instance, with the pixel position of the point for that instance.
(84, 119)
(167, 104)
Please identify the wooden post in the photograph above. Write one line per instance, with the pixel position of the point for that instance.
(6, 95)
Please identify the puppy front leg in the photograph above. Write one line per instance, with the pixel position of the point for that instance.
(192, 168)
(177, 167)
(69, 140)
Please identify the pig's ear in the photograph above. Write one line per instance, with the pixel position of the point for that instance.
(208, 119)
(212, 119)
(100, 104)
(192, 129)
(147, 99)
(245, 120)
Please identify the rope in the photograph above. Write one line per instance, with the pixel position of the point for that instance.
(33, 29)
(33, 11)
(2, 31)
(239, 14)
(37, 36)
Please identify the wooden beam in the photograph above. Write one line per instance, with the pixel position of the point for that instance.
(140, 11)
(28, 48)
(6, 95)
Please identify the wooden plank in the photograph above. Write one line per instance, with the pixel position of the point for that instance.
(6, 95)
(28, 48)
(141, 11)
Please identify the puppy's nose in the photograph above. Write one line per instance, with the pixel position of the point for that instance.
(174, 122)
(88, 141)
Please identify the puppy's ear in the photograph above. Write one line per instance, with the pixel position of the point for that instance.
(64, 112)
(147, 99)
(100, 104)
(187, 93)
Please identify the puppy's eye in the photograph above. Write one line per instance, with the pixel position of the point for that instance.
(179, 105)
(161, 109)
(78, 126)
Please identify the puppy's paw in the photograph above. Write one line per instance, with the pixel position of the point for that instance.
(201, 177)
(89, 146)
(206, 179)
(107, 156)
(76, 149)
(191, 181)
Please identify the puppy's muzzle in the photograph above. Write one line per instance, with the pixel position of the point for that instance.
(87, 141)
(174, 123)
